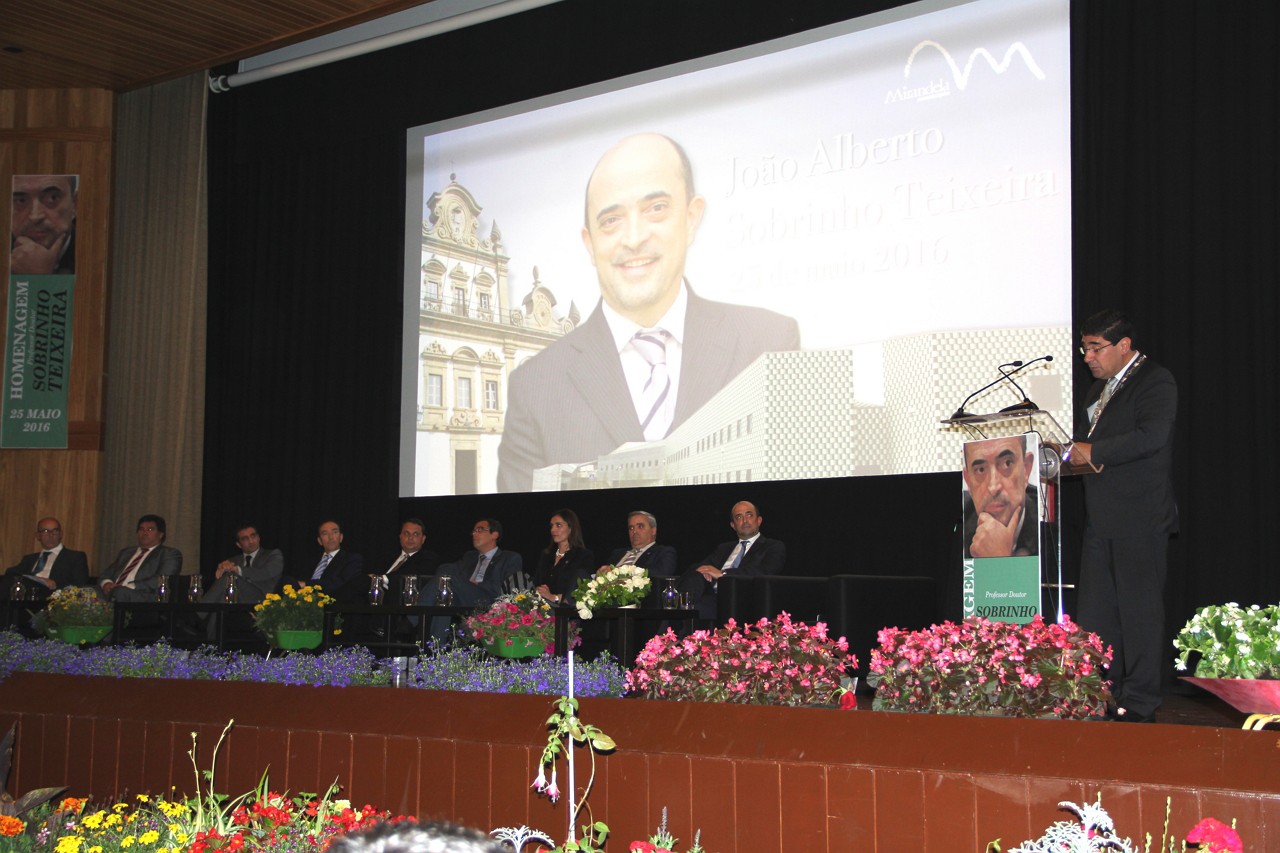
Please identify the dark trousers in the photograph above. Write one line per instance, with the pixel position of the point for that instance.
(1121, 598)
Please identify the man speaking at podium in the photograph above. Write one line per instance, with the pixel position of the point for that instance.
(1129, 506)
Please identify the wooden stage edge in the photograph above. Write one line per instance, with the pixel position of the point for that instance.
(751, 778)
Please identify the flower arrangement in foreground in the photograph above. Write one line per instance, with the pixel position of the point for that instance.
(75, 607)
(292, 610)
(984, 667)
(616, 586)
(254, 822)
(776, 662)
(516, 618)
(1232, 641)
(464, 669)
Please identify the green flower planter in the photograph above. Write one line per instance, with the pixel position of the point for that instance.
(291, 640)
(82, 634)
(517, 648)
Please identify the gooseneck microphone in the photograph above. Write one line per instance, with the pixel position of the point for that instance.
(1025, 405)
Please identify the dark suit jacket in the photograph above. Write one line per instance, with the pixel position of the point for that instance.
(766, 557)
(660, 560)
(562, 578)
(422, 563)
(570, 402)
(252, 586)
(344, 579)
(161, 561)
(505, 564)
(1133, 439)
(1028, 544)
(70, 569)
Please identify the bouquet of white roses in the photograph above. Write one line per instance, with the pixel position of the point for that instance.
(617, 586)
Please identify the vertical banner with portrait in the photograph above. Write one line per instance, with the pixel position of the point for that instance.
(42, 278)
(1001, 530)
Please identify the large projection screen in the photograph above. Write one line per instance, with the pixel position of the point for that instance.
(897, 185)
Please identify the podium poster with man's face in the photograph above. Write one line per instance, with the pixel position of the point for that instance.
(1001, 535)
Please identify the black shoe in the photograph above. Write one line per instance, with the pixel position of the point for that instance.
(1126, 716)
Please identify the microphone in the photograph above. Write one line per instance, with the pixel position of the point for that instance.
(1026, 405)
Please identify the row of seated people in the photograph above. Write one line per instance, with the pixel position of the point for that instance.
(477, 577)
(854, 603)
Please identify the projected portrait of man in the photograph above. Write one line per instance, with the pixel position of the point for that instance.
(43, 235)
(1000, 513)
(653, 352)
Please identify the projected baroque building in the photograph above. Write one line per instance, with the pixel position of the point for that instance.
(470, 338)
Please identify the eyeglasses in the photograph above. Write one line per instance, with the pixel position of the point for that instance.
(479, 530)
(1095, 349)
(49, 530)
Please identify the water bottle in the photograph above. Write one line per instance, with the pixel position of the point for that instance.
(232, 592)
(671, 596)
(375, 590)
(162, 589)
(16, 592)
(444, 591)
(410, 592)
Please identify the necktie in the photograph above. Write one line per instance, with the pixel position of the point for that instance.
(742, 552)
(133, 565)
(629, 558)
(398, 563)
(483, 563)
(324, 564)
(40, 563)
(248, 558)
(1107, 390)
(654, 419)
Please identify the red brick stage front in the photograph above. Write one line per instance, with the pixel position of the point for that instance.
(754, 779)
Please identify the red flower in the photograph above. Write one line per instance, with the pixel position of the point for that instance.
(848, 701)
(1215, 837)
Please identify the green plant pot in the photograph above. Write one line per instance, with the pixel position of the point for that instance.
(517, 649)
(81, 634)
(298, 639)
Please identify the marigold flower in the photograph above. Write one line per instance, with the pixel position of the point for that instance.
(10, 826)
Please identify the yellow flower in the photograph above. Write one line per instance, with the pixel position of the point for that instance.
(119, 807)
(68, 844)
(173, 809)
(113, 819)
(180, 837)
(143, 798)
(97, 848)
(127, 841)
(149, 837)
(94, 821)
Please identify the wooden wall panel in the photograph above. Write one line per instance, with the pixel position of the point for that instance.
(753, 789)
(63, 131)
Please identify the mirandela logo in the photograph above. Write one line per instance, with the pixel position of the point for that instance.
(941, 86)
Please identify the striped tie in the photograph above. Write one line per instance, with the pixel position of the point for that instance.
(654, 418)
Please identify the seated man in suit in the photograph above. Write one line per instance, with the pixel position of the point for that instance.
(645, 552)
(51, 567)
(255, 570)
(749, 555)
(340, 573)
(136, 571)
(413, 560)
(480, 575)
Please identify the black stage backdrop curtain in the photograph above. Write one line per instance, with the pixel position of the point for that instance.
(1175, 208)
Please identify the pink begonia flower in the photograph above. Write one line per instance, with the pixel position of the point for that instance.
(1215, 837)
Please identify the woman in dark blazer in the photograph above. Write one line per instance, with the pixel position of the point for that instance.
(565, 561)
